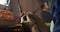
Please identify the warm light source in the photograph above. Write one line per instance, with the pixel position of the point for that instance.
(4, 2)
